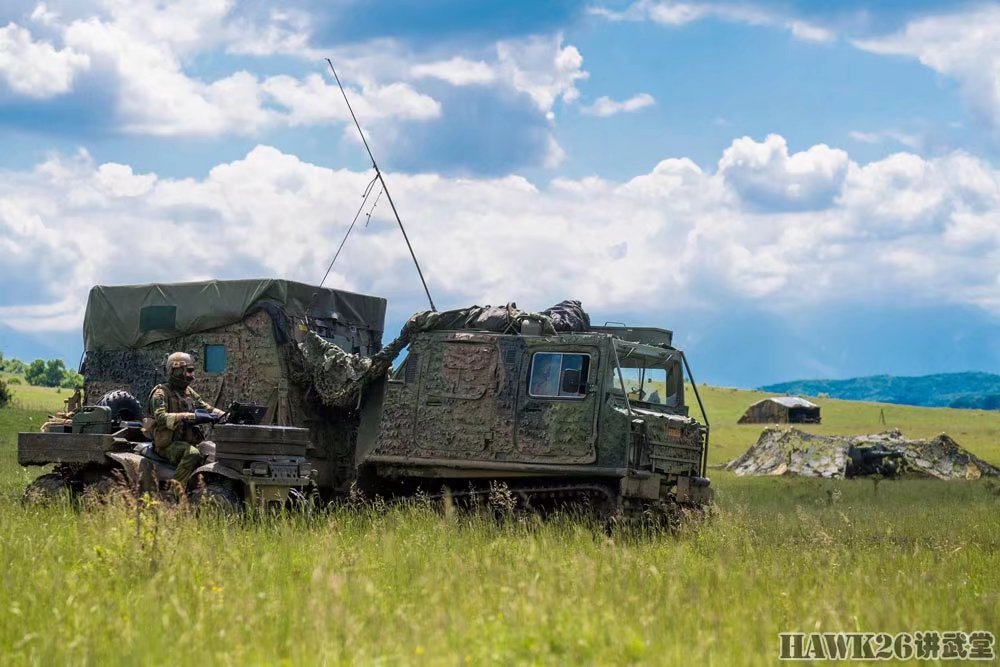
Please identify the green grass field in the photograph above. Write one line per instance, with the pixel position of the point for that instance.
(28, 397)
(156, 585)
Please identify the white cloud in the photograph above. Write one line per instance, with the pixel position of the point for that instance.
(672, 13)
(904, 228)
(809, 32)
(142, 55)
(118, 180)
(554, 153)
(312, 100)
(884, 136)
(66, 314)
(666, 13)
(182, 26)
(605, 106)
(142, 48)
(764, 174)
(965, 46)
(36, 68)
(42, 15)
(457, 71)
(541, 67)
(156, 97)
(286, 32)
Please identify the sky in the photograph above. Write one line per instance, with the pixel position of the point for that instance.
(796, 189)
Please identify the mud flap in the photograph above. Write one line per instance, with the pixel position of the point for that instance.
(696, 490)
(647, 488)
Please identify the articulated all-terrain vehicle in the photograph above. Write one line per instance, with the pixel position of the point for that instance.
(596, 415)
(554, 411)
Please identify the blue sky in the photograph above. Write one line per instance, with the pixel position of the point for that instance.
(798, 189)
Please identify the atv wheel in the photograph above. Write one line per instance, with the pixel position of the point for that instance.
(47, 488)
(106, 487)
(215, 495)
(123, 405)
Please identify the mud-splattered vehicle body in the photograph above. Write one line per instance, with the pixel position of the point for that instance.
(599, 414)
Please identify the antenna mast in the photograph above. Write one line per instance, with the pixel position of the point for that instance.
(385, 188)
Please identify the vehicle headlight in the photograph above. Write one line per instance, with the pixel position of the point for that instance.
(259, 469)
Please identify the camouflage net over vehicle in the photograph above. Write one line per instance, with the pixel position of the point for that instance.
(790, 451)
(337, 376)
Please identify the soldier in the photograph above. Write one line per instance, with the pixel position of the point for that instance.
(171, 407)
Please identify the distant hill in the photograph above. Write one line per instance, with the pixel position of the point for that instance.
(950, 390)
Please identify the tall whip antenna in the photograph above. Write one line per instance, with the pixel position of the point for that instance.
(385, 188)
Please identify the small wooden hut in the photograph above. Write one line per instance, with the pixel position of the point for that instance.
(781, 410)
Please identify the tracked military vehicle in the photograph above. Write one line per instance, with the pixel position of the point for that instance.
(597, 416)
(555, 410)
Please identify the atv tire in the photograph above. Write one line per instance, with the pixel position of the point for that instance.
(216, 496)
(47, 488)
(123, 405)
(106, 487)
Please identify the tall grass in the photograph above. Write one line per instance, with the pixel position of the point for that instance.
(131, 583)
(407, 585)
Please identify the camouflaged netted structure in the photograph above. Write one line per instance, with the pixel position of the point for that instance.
(337, 376)
(781, 451)
(250, 324)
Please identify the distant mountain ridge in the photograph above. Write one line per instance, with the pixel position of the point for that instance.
(944, 390)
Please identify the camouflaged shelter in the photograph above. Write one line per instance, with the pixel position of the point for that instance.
(791, 452)
(781, 410)
(242, 334)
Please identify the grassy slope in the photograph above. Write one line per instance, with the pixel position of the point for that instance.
(28, 397)
(976, 430)
(408, 586)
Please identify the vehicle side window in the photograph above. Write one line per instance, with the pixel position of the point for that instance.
(215, 358)
(558, 375)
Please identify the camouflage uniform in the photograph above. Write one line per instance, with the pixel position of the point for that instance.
(171, 407)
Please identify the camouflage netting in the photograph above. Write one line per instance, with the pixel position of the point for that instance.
(338, 376)
(790, 451)
(568, 316)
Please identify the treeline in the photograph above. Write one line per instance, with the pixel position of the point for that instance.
(945, 390)
(988, 402)
(41, 373)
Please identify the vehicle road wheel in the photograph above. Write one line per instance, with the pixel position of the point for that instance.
(123, 405)
(217, 496)
(47, 488)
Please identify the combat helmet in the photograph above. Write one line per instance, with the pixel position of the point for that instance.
(176, 364)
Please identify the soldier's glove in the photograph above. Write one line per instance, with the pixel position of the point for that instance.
(204, 417)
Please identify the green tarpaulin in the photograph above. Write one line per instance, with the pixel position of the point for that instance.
(132, 316)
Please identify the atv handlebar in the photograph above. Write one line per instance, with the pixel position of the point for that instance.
(205, 417)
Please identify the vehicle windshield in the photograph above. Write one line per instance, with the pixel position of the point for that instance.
(656, 380)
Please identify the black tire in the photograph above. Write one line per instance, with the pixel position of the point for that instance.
(123, 405)
(106, 487)
(216, 496)
(47, 488)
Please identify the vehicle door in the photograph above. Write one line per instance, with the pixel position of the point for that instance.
(557, 405)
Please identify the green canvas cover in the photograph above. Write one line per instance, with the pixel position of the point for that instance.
(132, 316)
